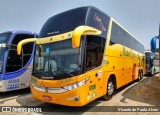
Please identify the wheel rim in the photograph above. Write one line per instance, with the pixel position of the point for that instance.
(110, 88)
(139, 76)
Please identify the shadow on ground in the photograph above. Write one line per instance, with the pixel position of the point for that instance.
(147, 91)
(6, 96)
(27, 100)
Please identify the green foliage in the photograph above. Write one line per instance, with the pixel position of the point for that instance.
(158, 50)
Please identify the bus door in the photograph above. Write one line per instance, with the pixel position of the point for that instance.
(94, 56)
(96, 83)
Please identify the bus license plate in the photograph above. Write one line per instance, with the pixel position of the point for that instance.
(47, 98)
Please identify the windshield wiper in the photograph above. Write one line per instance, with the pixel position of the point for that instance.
(69, 74)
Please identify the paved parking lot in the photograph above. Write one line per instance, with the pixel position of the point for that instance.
(143, 93)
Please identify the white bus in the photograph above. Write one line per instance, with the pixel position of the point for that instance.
(152, 62)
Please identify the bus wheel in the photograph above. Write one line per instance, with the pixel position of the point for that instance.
(110, 89)
(139, 76)
(142, 74)
(154, 72)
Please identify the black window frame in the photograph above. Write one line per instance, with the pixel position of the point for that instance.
(13, 46)
(102, 49)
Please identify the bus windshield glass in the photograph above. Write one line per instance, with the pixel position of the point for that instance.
(2, 52)
(58, 60)
(4, 38)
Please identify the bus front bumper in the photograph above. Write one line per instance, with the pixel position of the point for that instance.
(76, 97)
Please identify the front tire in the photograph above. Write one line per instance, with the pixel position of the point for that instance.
(110, 89)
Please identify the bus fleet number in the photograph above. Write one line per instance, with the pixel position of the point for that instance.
(13, 81)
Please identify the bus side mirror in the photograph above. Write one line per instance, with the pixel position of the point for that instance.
(23, 42)
(83, 30)
(154, 44)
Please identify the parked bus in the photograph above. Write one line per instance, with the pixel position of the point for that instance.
(15, 70)
(81, 55)
(152, 62)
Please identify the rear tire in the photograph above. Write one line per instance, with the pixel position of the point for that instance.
(110, 89)
(142, 74)
(139, 76)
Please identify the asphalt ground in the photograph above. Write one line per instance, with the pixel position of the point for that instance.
(143, 94)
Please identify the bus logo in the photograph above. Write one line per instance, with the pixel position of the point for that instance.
(99, 20)
(48, 98)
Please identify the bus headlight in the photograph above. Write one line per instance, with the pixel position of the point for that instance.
(76, 85)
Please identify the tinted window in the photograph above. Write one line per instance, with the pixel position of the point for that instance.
(14, 61)
(94, 51)
(148, 54)
(98, 20)
(63, 22)
(69, 20)
(120, 36)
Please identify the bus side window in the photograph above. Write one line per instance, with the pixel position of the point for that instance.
(94, 51)
(14, 61)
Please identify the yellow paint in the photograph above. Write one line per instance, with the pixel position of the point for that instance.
(76, 36)
(45, 40)
(119, 62)
(56, 38)
(82, 30)
(23, 42)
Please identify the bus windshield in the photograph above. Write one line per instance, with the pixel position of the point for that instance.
(4, 38)
(58, 60)
(2, 52)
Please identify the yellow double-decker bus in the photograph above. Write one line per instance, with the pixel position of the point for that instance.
(81, 55)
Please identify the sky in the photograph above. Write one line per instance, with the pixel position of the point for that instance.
(140, 17)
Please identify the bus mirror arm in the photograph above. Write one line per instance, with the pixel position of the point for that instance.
(83, 30)
(40, 50)
(23, 42)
